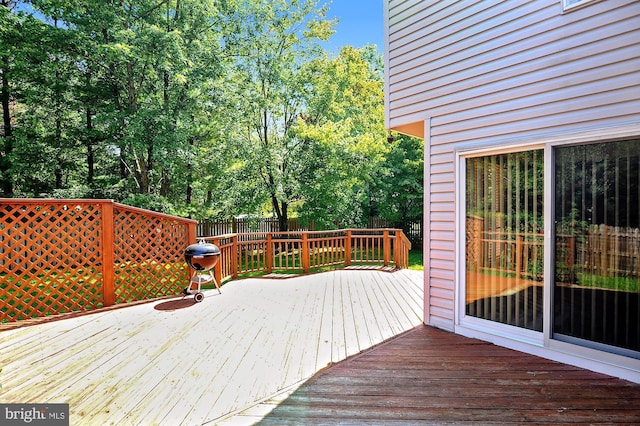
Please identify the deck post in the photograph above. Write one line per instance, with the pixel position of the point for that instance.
(519, 250)
(191, 233)
(398, 250)
(217, 269)
(347, 249)
(386, 247)
(108, 279)
(269, 253)
(304, 252)
(234, 257)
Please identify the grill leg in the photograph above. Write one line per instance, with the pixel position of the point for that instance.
(199, 278)
(216, 283)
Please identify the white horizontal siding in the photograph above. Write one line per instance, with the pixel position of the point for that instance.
(489, 72)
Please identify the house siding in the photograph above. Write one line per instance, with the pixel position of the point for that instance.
(465, 74)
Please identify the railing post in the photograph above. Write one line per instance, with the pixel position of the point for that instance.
(191, 233)
(347, 249)
(269, 253)
(192, 237)
(108, 279)
(572, 251)
(233, 257)
(217, 269)
(398, 250)
(386, 247)
(519, 244)
(304, 253)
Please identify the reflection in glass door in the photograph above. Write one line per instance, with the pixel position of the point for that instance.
(504, 238)
(597, 246)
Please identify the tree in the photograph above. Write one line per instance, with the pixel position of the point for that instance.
(125, 81)
(271, 44)
(11, 45)
(398, 194)
(345, 122)
(163, 54)
(194, 107)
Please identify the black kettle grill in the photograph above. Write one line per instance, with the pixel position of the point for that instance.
(201, 257)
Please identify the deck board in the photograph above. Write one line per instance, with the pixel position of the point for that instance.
(429, 376)
(178, 362)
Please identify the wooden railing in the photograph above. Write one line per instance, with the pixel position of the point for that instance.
(304, 251)
(241, 225)
(60, 256)
(518, 253)
(604, 251)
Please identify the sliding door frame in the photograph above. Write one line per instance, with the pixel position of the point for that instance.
(537, 343)
(462, 319)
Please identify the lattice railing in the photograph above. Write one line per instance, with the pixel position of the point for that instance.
(148, 254)
(60, 256)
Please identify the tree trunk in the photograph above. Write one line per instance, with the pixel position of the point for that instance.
(164, 183)
(89, 143)
(59, 172)
(141, 173)
(283, 219)
(6, 183)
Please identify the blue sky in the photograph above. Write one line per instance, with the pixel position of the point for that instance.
(360, 23)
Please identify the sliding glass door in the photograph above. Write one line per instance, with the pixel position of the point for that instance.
(594, 277)
(596, 288)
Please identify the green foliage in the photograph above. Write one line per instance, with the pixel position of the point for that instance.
(200, 108)
(416, 260)
(150, 202)
(398, 194)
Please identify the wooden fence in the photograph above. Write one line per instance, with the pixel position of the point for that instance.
(412, 230)
(60, 256)
(245, 225)
(608, 251)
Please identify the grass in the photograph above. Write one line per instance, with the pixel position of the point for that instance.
(611, 283)
(416, 261)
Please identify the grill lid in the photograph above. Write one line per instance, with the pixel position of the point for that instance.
(202, 256)
(202, 249)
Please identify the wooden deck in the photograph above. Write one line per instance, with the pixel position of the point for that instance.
(176, 362)
(258, 354)
(429, 376)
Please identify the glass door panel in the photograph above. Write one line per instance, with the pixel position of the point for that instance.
(504, 238)
(596, 290)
